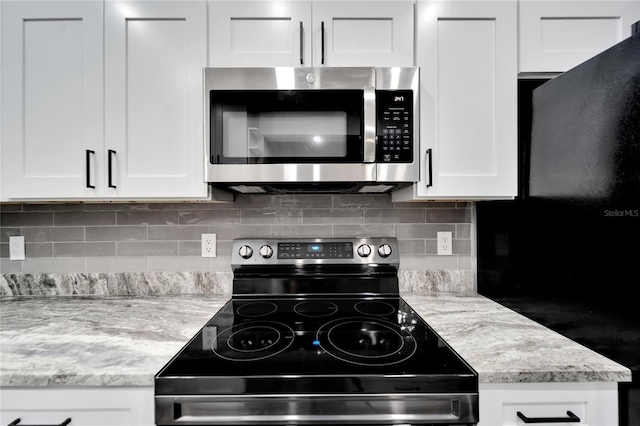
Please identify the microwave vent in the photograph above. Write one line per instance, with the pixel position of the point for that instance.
(246, 189)
(378, 189)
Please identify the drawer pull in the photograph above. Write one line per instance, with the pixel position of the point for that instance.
(572, 418)
(17, 421)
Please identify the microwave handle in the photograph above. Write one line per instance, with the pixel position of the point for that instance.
(369, 124)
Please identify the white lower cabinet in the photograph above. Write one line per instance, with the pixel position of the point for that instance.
(117, 406)
(594, 403)
(467, 53)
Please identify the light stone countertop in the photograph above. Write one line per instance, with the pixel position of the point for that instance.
(126, 340)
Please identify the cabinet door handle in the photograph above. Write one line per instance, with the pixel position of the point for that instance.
(301, 44)
(17, 421)
(572, 418)
(322, 42)
(111, 154)
(429, 164)
(88, 167)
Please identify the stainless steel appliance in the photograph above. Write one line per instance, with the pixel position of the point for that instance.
(316, 333)
(298, 130)
(563, 251)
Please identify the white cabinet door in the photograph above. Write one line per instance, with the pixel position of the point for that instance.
(154, 55)
(355, 33)
(259, 33)
(555, 36)
(467, 52)
(333, 33)
(594, 403)
(88, 406)
(52, 99)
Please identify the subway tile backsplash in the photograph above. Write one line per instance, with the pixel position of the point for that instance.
(157, 237)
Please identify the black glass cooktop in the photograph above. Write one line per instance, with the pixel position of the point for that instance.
(343, 344)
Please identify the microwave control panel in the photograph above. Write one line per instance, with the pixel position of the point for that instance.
(394, 124)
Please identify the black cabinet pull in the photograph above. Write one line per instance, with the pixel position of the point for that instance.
(322, 41)
(64, 423)
(301, 44)
(111, 154)
(429, 167)
(88, 158)
(572, 418)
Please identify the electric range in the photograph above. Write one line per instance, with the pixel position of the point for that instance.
(316, 333)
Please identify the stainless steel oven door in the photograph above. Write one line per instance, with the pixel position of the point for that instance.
(290, 124)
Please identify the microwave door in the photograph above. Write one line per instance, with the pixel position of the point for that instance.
(292, 126)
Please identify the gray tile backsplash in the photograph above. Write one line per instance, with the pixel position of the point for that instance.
(156, 237)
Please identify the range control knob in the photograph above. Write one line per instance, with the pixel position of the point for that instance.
(384, 250)
(245, 252)
(364, 250)
(266, 251)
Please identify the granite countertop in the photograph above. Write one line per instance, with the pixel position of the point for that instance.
(126, 340)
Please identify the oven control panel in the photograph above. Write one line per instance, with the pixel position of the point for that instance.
(315, 250)
(319, 250)
(394, 126)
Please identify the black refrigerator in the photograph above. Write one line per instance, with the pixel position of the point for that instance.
(566, 251)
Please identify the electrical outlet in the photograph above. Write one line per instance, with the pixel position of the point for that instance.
(16, 248)
(208, 245)
(444, 244)
(209, 335)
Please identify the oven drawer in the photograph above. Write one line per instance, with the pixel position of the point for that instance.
(328, 409)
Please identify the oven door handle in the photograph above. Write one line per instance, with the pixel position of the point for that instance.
(369, 124)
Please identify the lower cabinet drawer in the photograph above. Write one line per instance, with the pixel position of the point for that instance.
(88, 406)
(590, 403)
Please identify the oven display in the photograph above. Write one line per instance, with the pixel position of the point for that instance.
(339, 250)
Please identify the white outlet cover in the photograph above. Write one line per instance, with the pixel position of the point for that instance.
(16, 248)
(445, 243)
(209, 245)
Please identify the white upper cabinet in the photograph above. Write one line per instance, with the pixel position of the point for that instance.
(154, 55)
(304, 33)
(467, 53)
(259, 33)
(52, 100)
(76, 126)
(555, 36)
(363, 33)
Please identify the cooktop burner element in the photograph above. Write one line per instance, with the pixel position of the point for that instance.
(316, 308)
(315, 340)
(374, 308)
(252, 341)
(257, 309)
(367, 342)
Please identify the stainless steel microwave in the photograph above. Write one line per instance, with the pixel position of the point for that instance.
(302, 130)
